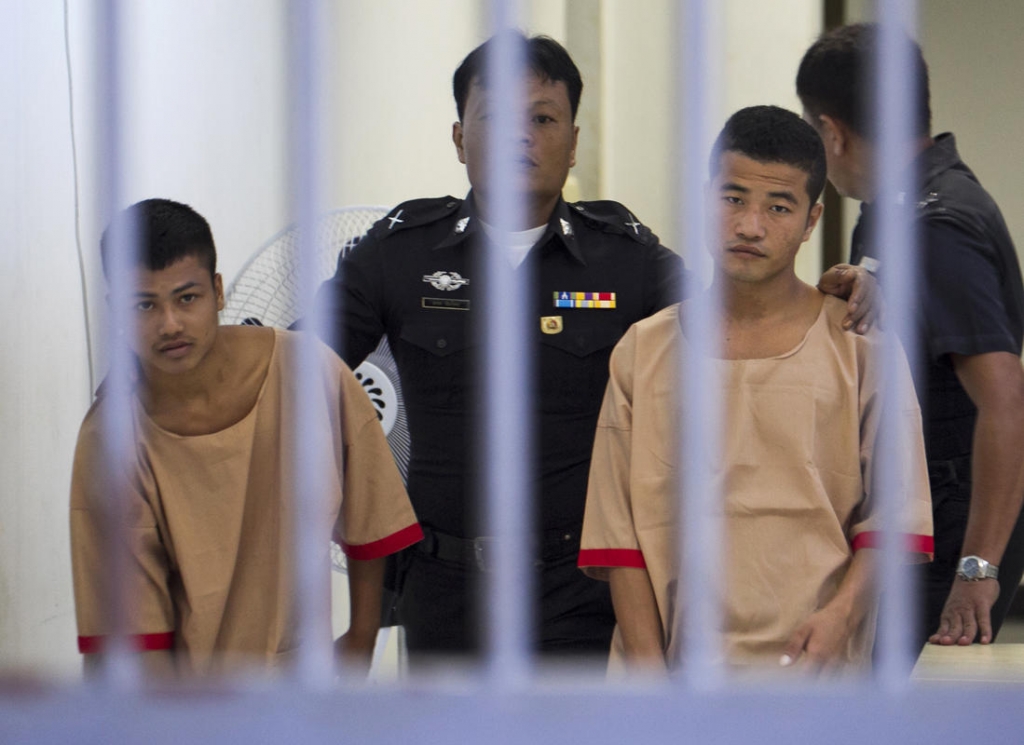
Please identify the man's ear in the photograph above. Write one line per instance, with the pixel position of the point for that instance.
(575, 141)
(218, 290)
(812, 220)
(835, 134)
(457, 139)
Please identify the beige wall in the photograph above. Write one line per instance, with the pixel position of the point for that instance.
(638, 72)
(975, 58)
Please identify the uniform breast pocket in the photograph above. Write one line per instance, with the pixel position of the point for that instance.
(432, 359)
(437, 337)
(574, 362)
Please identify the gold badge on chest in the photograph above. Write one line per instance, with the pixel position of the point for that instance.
(551, 324)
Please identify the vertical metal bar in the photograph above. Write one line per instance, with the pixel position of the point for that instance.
(507, 372)
(700, 527)
(895, 195)
(311, 453)
(120, 667)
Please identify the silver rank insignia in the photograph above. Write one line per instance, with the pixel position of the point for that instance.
(566, 227)
(394, 220)
(460, 226)
(447, 281)
(635, 224)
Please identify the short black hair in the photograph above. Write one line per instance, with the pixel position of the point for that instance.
(544, 56)
(166, 231)
(836, 78)
(769, 134)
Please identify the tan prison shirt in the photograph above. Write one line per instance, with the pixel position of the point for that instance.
(210, 526)
(796, 476)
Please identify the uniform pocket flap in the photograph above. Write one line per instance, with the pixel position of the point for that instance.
(440, 338)
(583, 341)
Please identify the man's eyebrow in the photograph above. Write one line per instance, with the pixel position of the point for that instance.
(176, 291)
(187, 286)
(786, 195)
(733, 186)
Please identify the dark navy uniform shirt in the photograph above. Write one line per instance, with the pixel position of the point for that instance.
(416, 278)
(971, 295)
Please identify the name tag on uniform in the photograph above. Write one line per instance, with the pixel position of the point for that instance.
(584, 299)
(444, 303)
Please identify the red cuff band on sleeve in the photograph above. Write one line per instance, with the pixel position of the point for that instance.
(139, 642)
(918, 544)
(385, 546)
(612, 557)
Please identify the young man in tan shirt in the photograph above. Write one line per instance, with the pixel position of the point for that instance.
(800, 414)
(208, 493)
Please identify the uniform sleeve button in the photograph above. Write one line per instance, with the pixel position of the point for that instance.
(442, 343)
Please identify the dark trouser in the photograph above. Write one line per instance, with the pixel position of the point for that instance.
(951, 496)
(438, 607)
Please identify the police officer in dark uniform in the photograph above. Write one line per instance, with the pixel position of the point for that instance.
(417, 278)
(969, 324)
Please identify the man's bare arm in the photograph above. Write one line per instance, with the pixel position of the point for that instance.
(365, 589)
(636, 613)
(995, 383)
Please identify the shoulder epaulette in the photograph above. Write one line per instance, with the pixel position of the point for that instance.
(413, 214)
(611, 216)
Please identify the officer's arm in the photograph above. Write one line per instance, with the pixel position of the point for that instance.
(668, 278)
(351, 305)
(995, 383)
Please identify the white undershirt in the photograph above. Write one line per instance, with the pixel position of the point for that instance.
(519, 242)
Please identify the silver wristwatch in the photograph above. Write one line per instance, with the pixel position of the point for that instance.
(975, 568)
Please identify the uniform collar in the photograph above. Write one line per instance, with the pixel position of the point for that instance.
(941, 156)
(938, 157)
(466, 224)
(560, 228)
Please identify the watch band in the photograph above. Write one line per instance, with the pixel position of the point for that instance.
(975, 569)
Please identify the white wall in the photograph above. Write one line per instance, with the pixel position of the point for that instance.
(43, 383)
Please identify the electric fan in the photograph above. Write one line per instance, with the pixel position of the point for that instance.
(266, 292)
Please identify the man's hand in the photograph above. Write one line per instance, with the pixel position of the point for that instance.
(860, 290)
(354, 651)
(966, 614)
(819, 645)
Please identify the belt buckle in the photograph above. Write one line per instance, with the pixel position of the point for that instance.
(483, 547)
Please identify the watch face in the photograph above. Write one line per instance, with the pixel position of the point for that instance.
(971, 568)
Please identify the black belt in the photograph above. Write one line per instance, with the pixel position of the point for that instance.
(479, 552)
